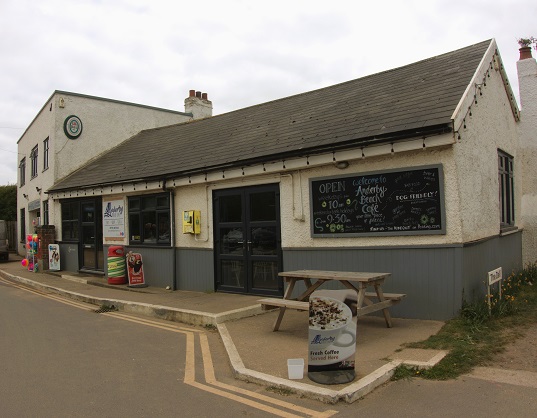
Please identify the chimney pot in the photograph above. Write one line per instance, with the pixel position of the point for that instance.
(192, 93)
(525, 52)
(198, 94)
(204, 96)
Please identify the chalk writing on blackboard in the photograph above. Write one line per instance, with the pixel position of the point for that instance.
(397, 202)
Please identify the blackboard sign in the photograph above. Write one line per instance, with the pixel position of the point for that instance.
(394, 202)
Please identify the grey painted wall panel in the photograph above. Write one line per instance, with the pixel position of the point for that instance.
(413, 272)
(480, 258)
(195, 269)
(435, 279)
(69, 256)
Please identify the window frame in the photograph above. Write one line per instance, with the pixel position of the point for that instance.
(45, 153)
(45, 212)
(34, 155)
(506, 190)
(23, 225)
(140, 208)
(70, 224)
(22, 172)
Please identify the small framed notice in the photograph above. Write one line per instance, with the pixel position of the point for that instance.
(114, 220)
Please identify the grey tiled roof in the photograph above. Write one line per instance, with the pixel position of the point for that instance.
(406, 100)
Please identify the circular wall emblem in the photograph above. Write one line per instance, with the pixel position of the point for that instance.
(72, 127)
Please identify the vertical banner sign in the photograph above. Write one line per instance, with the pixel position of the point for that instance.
(114, 220)
(135, 270)
(332, 338)
(54, 257)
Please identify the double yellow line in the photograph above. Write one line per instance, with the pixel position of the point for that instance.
(212, 385)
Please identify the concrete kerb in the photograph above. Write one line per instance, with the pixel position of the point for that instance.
(167, 313)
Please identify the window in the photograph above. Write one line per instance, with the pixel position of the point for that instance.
(70, 214)
(507, 192)
(22, 172)
(149, 219)
(45, 154)
(23, 225)
(33, 158)
(45, 213)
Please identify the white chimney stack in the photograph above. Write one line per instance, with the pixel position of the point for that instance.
(199, 105)
(527, 79)
(526, 158)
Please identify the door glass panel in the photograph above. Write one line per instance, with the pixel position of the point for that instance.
(263, 206)
(231, 241)
(88, 213)
(265, 275)
(230, 208)
(89, 235)
(233, 273)
(264, 241)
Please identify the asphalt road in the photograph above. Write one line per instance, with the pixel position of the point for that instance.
(58, 358)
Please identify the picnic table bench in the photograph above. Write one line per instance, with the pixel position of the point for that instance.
(361, 300)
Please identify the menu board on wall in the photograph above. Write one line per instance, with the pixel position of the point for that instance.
(114, 220)
(393, 202)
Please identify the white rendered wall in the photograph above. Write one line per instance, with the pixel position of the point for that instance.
(297, 233)
(105, 125)
(295, 205)
(37, 132)
(491, 126)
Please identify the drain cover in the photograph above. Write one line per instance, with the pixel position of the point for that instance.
(104, 309)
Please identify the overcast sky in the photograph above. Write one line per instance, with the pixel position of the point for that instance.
(241, 53)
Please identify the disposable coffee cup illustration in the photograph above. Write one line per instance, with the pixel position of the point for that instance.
(328, 323)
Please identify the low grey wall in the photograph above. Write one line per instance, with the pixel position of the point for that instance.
(435, 279)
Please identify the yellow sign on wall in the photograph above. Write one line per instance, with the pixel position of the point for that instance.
(191, 222)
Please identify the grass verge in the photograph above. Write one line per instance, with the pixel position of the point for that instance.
(475, 336)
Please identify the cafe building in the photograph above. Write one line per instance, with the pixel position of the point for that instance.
(416, 171)
(69, 130)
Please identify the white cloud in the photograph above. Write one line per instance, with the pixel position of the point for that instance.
(240, 52)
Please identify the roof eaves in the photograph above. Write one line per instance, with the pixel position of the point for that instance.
(355, 143)
(465, 103)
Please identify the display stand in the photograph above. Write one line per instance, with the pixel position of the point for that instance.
(32, 246)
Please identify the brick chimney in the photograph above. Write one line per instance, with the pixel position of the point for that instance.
(199, 105)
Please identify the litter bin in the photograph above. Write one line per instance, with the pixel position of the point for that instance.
(116, 265)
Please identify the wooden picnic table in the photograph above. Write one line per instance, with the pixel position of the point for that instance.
(356, 281)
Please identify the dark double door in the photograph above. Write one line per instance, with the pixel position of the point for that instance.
(247, 240)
